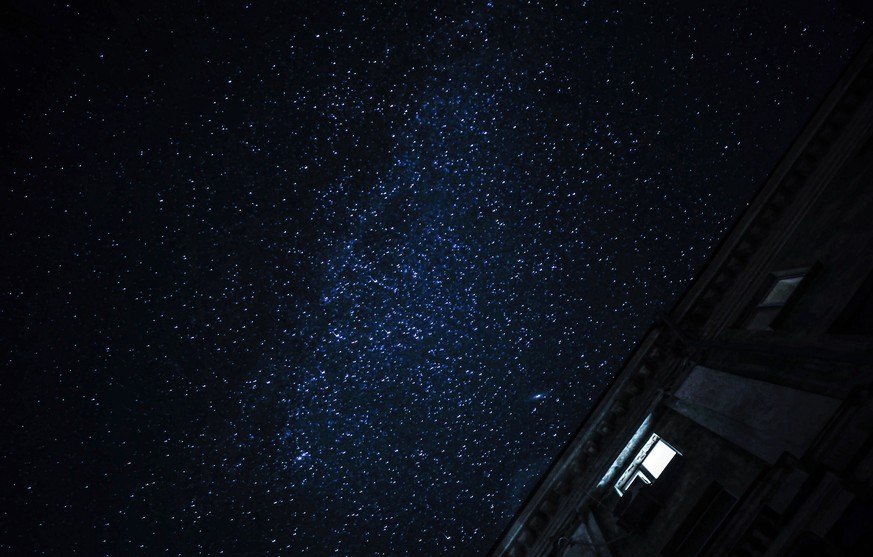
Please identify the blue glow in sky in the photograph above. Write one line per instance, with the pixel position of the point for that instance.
(342, 279)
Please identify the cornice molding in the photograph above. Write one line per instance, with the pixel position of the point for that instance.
(841, 123)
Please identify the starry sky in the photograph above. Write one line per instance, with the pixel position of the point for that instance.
(342, 278)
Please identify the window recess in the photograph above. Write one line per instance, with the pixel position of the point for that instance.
(648, 465)
(782, 291)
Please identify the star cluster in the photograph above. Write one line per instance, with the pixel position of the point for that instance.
(287, 280)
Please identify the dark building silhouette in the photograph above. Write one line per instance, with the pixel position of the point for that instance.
(742, 424)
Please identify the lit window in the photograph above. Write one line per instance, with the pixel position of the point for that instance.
(658, 458)
(648, 465)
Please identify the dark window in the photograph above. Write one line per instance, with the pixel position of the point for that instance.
(781, 291)
(780, 294)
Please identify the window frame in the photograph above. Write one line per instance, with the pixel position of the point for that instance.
(636, 469)
(756, 318)
(776, 280)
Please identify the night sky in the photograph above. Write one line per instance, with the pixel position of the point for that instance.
(342, 279)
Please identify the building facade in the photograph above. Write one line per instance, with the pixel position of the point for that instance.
(742, 424)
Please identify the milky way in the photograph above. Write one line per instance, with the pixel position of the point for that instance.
(342, 281)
